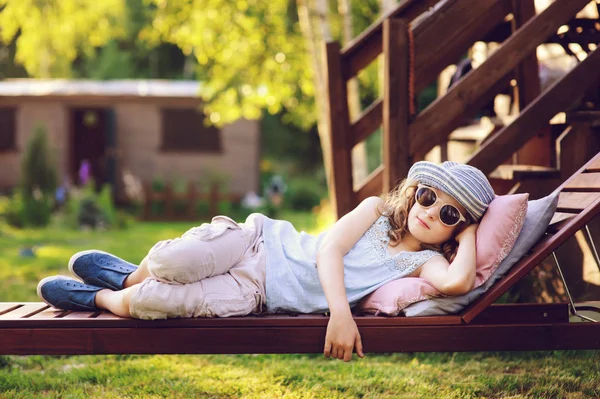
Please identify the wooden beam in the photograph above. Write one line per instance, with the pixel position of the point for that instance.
(109, 334)
(555, 99)
(367, 122)
(444, 36)
(309, 339)
(339, 130)
(396, 158)
(365, 48)
(372, 186)
(429, 127)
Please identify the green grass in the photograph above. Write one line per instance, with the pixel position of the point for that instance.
(493, 375)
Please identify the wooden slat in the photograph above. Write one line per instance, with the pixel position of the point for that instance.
(24, 311)
(455, 338)
(445, 35)
(50, 313)
(425, 131)
(575, 202)
(373, 186)
(588, 167)
(367, 122)
(594, 166)
(108, 320)
(339, 130)
(525, 265)
(363, 50)
(6, 307)
(560, 96)
(396, 158)
(79, 315)
(560, 217)
(108, 316)
(584, 182)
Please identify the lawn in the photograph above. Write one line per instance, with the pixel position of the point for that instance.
(27, 256)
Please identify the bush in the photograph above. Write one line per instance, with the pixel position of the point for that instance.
(28, 212)
(32, 203)
(38, 172)
(86, 208)
(304, 194)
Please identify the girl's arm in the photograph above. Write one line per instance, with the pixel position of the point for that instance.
(458, 277)
(342, 333)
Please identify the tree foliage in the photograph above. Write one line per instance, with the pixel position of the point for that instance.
(251, 54)
(51, 33)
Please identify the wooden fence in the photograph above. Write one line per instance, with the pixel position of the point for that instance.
(178, 206)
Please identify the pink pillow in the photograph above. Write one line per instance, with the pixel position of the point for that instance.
(394, 296)
(496, 235)
(497, 232)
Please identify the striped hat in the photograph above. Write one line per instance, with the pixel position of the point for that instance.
(465, 183)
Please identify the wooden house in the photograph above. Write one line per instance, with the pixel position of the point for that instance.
(146, 130)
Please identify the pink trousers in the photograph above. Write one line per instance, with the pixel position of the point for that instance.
(215, 269)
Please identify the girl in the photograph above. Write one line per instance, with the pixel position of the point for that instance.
(425, 227)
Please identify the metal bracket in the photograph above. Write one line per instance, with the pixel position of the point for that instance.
(572, 308)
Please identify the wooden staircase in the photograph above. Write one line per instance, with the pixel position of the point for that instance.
(418, 39)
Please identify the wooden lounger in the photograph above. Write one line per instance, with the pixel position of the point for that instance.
(35, 328)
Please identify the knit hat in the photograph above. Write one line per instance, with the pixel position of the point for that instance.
(465, 183)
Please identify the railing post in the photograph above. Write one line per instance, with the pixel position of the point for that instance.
(396, 114)
(538, 150)
(340, 168)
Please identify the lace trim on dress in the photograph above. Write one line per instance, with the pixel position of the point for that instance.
(404, 262)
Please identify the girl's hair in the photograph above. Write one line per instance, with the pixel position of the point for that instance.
(396, 207)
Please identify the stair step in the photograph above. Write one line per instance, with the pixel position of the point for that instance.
(522, 172)
(476, 132)
(588, 116)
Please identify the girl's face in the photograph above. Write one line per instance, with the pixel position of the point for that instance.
(424, 223)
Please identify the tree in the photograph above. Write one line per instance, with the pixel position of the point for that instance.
(50, 33)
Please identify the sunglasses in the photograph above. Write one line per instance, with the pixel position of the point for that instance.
(449, 214)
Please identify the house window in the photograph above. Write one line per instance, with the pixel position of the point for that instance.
(184, 130)
(7, 129)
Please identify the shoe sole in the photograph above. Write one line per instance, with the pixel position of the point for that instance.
(44, 281)
(79, 255)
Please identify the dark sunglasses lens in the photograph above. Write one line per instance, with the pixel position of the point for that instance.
(426, 196)
(449, 215)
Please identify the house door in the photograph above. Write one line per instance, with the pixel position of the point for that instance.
(89, 145)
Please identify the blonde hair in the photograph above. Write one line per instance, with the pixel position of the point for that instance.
(397, 205)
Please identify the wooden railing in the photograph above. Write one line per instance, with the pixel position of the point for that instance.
(415, 52)
(436, 122)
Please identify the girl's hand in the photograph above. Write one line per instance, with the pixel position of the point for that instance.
(468, 231)
(342, 336)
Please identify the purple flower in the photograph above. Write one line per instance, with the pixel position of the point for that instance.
(84, 172)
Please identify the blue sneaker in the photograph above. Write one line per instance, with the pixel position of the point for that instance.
(67, 293)
(100, 269)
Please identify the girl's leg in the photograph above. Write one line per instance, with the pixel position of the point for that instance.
(221, 296)
(203, 252)
(116, 302)
(138, 275)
